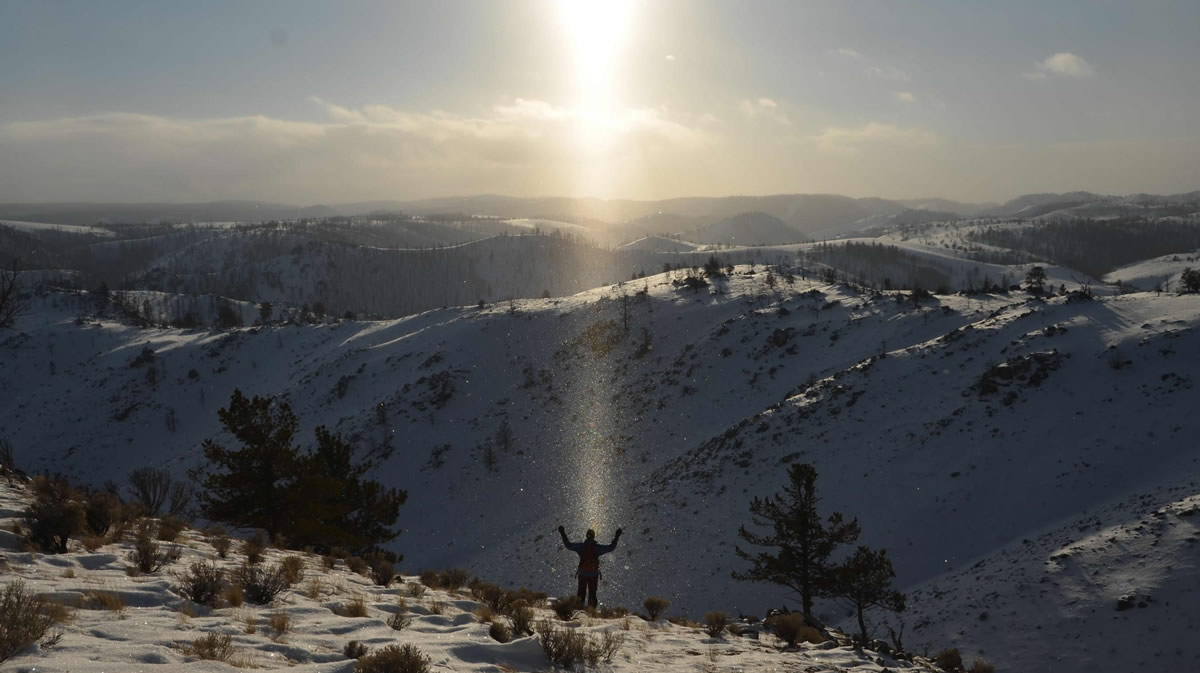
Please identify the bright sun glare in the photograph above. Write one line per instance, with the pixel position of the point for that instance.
(597, 31)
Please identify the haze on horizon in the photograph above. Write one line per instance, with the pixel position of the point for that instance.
(306, 102)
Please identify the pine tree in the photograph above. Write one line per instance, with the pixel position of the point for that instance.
(249, 486)
(319, 498)
(864, 581)
(804, 542)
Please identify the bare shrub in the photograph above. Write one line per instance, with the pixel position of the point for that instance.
(437, 607)
(148, 556)
(566, 607)
(484, 614)
(220, 542)
(102, 509)
(382, 571)
(314, 588)
(260, 584)
(280, 623)
(255, 547)
(213, 647)
(399, 621)
(358, 565)
(54, 515)
(416, 590)
(150, 487)
(793, 628)
(981, 665)
(564, 647)
(169, 528)
(612, 612)
(107, 600)
(949, 660)
(453, 579)
(293, 569)
(431, 579)
(355, 607)
(394, 659)
(715, 623)
(522, 619)
(24, 619)
(234, 595)
(354, 650)
(499, 632)
(655, 606)
(524, 596)
(201, 583)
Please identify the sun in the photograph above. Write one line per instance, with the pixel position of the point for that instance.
(597, 32)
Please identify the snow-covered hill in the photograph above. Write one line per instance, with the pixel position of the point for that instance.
(118, 620)
(954, 429)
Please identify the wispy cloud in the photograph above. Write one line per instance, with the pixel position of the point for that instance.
(852, 140)
(1062, 64)
(871, 69)
(905, 96)
(356, 152)
(764, 108)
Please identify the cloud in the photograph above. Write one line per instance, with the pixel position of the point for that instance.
(764, 108)
(372, 151)
(841, 140)
(906, 96)
(1062, 64)
(850, 53)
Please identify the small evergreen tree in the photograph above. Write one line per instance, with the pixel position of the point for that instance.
(1036, 279)
(864, 581)
(319, 498)
(1190, 280)
(248, 487)
(805, 543)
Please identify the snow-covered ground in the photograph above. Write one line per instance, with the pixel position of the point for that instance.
(954, 430)
(149, 623)
(1160, 272)
(61, 228)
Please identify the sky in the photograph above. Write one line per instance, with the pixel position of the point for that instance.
(319, 102)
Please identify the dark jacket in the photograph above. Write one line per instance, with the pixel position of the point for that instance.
(585, 553)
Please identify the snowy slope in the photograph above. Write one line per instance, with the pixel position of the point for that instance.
(155, 622)
(1161, 272)
(669, 429)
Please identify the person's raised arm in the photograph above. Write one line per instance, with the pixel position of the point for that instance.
(563, 533)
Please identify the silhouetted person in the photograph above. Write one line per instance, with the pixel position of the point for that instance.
(589, 552)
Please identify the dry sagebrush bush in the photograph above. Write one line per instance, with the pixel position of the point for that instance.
(499, 632)
(148, 556)
(169, 528)
(260, 584)
(655, 606)
(453, 579)
(399, 621)
(715, 623)
(793, 628)
(394, 659)
(280, 623)
(293, 569)
(201, 583)
(416, 590)
(566, 607)
(213, 647)
(255, 547)
(24, 619)
(107, 600)
(355, 607)
(565, 646)
(521, 617)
